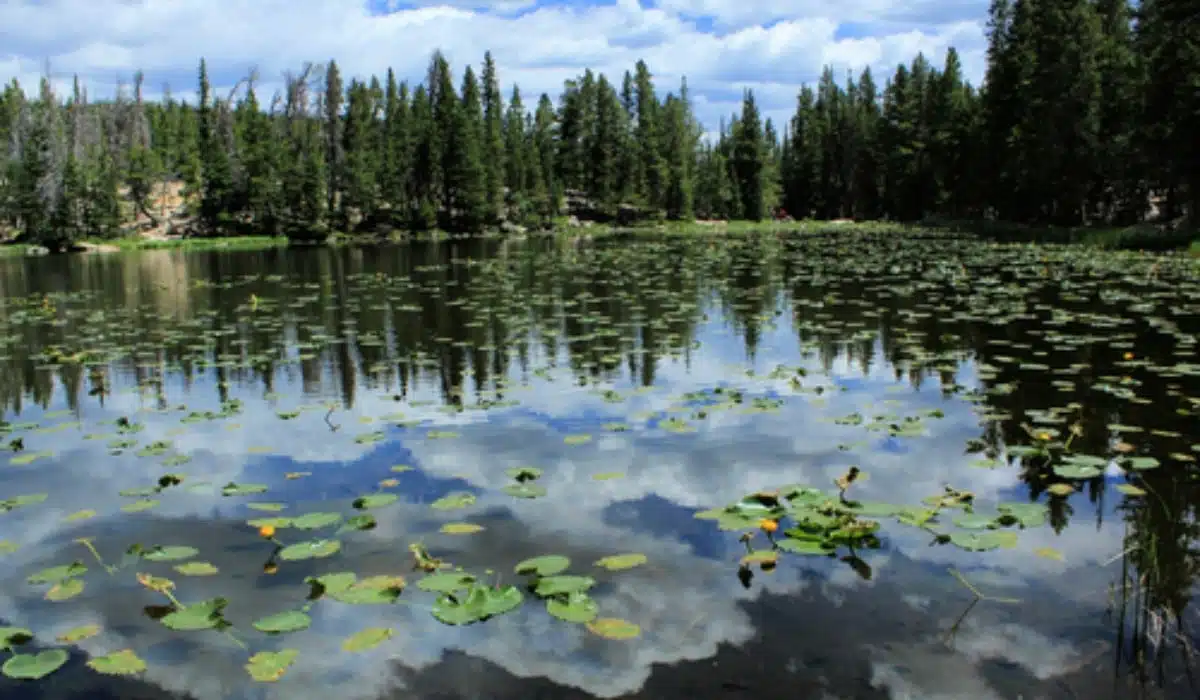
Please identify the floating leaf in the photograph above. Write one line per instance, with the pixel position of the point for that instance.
(607, 476)
(312, 549)
(170, 553)
(367, 639)
(523, 474)
(288, 621)
(1142, 463)
(56, 574)
(80, 515)
(546, 565)
(267, 507)
(461, 528)
(1048, 553)
(269, 666)
(373, 590)
(234, 489)
(983, 541)
(613, 628)
(560, 585)
(196, 568)
(65, 590)
(526, 490)
(365, 521)
(31, 667)
(330, 583)
(577, 439)
(446, 582)
(375, 500)
(316, 521)
(78, 634)
(455, 500)
(118, 663)
(802, 546)
(1130, 490)
(574, 607)
(197, 616)
(477, 604)
(139, 506)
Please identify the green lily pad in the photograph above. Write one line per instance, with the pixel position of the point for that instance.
(375, 500)
(364, 521)
(170, 553)
(546, 565)
(55, 574)
(477, 604)
(373, 590)
(197, 616)
(65, 590)
(1142, 463)
(330, 583)
(446, 582)
(561, 585)
(526, 490)
(1077, 471)
(311, 549)
(613, 628)
(316, 521)
(21, 501)
(574, 607)
(1027, 514)
(983, 541)
(804, 546)
(31, 667)
(618, 562)
(140, 505)
(197, 568)
(267, 507)
(118, 663)
(454, 501)
(288, 621)
(234, 489)
(367, 639)
(461, 528)
(269, 666)
(75, 634)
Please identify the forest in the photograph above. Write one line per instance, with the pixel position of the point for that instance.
(1087, 115)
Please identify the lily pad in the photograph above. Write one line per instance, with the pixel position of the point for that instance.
(75, 634)
(373, 590)
(364, 521)
(446, 582)
(546, 565)
(526, 490)
(55, 574)
(574, 607)
(197, 568)
(14, 636)
(170, 553)
(65, 590)
(197, 616)
(375, 500)
(311, 549)
(269, 666)
(118, 663)
(561, 585)
(31, 667)
(367, 639)
(316, 521)
(234, 489)
(619, 562)
(614, 628)
(983, 541)
(288, 621)
(475, 605)
(454, 501)
(461, 528)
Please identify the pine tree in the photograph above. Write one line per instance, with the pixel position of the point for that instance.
(748, 155)
(494, 152)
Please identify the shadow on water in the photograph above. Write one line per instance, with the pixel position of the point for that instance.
(647, 381)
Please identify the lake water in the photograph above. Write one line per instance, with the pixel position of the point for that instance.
(160, 407)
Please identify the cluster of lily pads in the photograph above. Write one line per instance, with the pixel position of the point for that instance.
(1041, 326)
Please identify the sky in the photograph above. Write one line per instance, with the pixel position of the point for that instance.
(721, 46)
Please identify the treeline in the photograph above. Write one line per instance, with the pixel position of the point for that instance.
(1088, 111)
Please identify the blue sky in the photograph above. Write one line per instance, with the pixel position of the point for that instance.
(722, 46)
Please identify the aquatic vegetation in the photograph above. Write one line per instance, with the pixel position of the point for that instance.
(414, 392)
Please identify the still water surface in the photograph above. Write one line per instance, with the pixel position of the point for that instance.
(429, 371)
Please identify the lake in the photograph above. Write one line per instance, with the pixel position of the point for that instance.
(825, 466)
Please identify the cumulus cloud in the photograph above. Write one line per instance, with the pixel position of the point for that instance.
(715, 43)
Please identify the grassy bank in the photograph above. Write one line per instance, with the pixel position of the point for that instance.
(1137, 237)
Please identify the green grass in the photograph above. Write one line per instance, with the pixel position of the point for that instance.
(1136, 237)
(215, 243)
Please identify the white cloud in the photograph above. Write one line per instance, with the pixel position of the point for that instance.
(750, 42)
